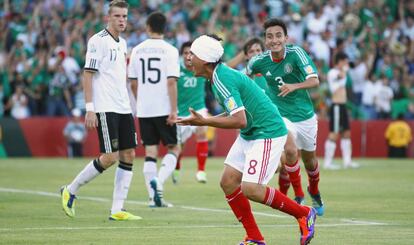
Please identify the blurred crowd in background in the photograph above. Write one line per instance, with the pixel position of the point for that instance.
(43, 45)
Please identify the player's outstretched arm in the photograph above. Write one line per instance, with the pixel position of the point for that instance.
(237, 120)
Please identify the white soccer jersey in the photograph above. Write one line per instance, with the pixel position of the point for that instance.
(152, 62)
(334, 81)
(107, 57)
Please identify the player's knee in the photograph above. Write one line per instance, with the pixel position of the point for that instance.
(333, 136)
(250, 191)
(175, 149)
(107, 160)
(127, 155)
(346, 134)
(227, 185)
(291, 152)
(151, 154)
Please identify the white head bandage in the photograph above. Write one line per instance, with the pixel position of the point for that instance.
(207, 48)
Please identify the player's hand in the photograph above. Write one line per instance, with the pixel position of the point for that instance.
(172, 118)
(195, 119)
(286, 89)
(91, 121)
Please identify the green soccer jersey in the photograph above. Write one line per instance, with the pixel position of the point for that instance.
(295, 67)
(190, 92)
(235, 91)
(259, 80)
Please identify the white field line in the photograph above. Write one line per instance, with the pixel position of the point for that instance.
(163, 227)
(345, 222)
(99, 199)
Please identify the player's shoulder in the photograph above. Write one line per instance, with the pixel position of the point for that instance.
(293, 49)
(171, 48)
(260, 57)
(257, 61)
(99, 37)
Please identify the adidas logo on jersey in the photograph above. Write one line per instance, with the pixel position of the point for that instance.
(268, 74)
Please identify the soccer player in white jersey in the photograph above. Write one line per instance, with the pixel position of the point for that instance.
(154, 69)
(108, 110)
(339, 124)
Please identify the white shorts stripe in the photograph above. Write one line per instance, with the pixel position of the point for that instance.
(337, 116)
(105, 133)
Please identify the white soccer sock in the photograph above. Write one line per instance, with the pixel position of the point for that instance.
(346, 151)
(330, 147)
(167, 167)
(122, 182)
(150, 172)
(91, 170)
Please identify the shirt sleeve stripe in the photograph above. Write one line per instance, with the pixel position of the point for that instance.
(220, 86)
(215, 84)
(300, 54)
(92, 64)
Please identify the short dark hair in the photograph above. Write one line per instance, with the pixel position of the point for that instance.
(252, 42)
(185, 45)
(157, 22)
(340, 56)
(275, 22)
(118, 3)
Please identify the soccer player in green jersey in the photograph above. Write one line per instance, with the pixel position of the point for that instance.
(191, 94)
(289, 72)
(290, 156)
(252, 160)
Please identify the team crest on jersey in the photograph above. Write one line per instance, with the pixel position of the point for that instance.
(288, 68)
(309, 69)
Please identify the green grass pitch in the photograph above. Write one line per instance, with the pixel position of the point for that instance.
(370, 205)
